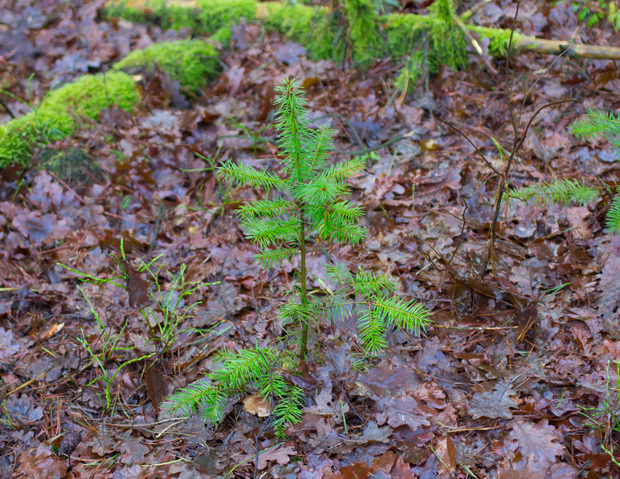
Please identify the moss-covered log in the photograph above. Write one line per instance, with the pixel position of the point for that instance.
(423, 42)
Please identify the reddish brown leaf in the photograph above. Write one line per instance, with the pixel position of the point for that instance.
(41, 463)
(536, 442)
(137, 288)
(155, 384)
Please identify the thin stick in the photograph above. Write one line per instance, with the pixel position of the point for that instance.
(502, 184)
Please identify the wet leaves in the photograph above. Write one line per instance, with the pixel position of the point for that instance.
(538, 443)
(137, 287)
(496, 386)
(8, 344)
(155, 384)
(41, 463)
(496, 404)
(23, 409)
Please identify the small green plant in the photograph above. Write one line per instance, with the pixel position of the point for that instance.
(102, 350)
(306, 203)
(593, 12)
(171, 308)
(595, 125)
(165, 312)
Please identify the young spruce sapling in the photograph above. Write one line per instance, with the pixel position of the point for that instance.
(305, 203)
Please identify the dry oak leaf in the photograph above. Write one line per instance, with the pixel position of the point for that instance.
(8, 345)
(536, 442)
(494, 404)
(281, 455)
(398, 411)
(41, 464)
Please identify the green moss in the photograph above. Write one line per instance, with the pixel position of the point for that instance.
(215, 14)
(72, 165)
(223, 36)
(364, 33)
(59, 113)
(191, 63)
(499, 39)
(426, 42)
(312, 27)
(163, 13)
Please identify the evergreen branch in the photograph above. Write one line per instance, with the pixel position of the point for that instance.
(269, 258)
(249, 175)
(402, 314)
(292, 124)
(319, 192)
(291, 312)
(336, 306)
(343, 232)
(371, 330)
(339, 273)
(613, 216)
(557, 192)
(346, 210)
(272, 385)
(345, 169)
(320, 143)
(265, 208)
(215, 406)
(288, 410)
(597, 124)
(368, 284)
(270, 232)
(187, 399)
(237, 369)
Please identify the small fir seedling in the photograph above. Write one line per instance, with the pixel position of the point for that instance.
(595, 125)
(306, 202)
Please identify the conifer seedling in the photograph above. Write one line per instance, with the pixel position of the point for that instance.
(305, 203)
(595, 125)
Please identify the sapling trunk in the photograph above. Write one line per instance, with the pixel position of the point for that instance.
(304, 297)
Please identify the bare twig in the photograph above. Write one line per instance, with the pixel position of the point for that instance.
(471, 143)
(501, 188)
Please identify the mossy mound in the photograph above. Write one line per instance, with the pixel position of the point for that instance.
(190, 62)
(59, 113)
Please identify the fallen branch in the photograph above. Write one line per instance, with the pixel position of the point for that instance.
(575, 50)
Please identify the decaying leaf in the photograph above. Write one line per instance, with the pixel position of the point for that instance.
(23, 409)
(41, 463)
(446, 452)
(399, 411)
(132, 450)
(496, 404)
(155, 384)
(609, 301)
(8, 345)
(281, 455)
(137, 288)
(257, 406)
(536, 442)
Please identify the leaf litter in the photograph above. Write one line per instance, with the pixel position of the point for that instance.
(510, 379)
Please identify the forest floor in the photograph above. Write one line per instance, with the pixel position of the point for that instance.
(516, 378)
